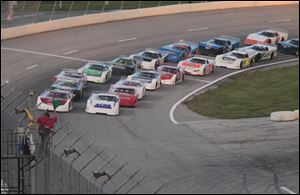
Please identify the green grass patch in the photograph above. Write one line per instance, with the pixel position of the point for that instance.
(254, 94)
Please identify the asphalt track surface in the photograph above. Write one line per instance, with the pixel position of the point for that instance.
(232, 156)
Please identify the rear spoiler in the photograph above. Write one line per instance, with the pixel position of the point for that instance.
(209, 58)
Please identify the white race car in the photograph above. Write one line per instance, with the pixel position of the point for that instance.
(197, 65)
(266, 37)
(171, 75)
(97, 72)
(263, 52)
(103, 103)
(72, 74)
(150, 59)
(65, 98)
(139, 86)
(236, 59)
(150, 78)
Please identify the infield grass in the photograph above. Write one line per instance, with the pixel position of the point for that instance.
(254, 94)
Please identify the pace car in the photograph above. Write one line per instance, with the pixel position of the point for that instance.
(266, 37)
(180, 50)
(289, 47)
(197, 66)
(150, 78)
(128, 95)
(104, 103)
(46, 99)
(72, 74)
(219, 45)
(171, 75)
(97, 72)
(123, 65)
(150, 59)
(139, 86)
(235, 59)
(263, 52)
(73, 86)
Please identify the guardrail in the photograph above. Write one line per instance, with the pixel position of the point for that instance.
(131, 14)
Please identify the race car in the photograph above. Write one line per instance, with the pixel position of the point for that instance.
(150, 78)
(46, 99)
(197, 66)
(235, 59)
(150, 59)
(180, 50)
(263, 52)
(71, 74)
(171, 75)
(104, 103)
(139, 86)
(73, 86)
(123, 65)
(219, 45)
(97, 72)
(289, 47)
(266, 37)
(128, 95)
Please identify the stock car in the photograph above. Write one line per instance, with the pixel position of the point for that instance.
(97, 72)
(263, 52)
(73, 74)
(104, 103)
(139, 86)
(73, 86)
(128, 95)
(150, 59)
(123, 65)
(266, 37)
(289, 47)
(197, 66)
(45, 100)
(171, 75)
(180, 50)
(219, 45)
(150, 78)
(236, 59)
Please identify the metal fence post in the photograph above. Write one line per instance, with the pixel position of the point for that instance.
(140, 4)
(70, 8)
(87, 7)
(53, 10)
(122, 3)
(37, 12)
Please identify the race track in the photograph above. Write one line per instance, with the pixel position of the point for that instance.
(240, 156)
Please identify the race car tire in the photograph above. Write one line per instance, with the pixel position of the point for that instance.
(241, 65)
(81, 93)
(156, 65)
(282, 39)
(258, 57)
(182, 78)
(272, 55)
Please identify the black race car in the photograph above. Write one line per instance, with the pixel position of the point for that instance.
(290, 47)
(123, 65)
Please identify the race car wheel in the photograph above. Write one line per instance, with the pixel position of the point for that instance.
(156, 65)
(272, 55)
(282, 39)
(182, 78)
(241, 65)
(81, 93)
(257, 57)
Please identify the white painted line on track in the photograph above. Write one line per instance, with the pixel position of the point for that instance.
(287, 190)
(197, 29)
(171, 113)
(42, 53)
(280, 20)
(31, 67)
(199, 80)
(129, 39)
(70, 52)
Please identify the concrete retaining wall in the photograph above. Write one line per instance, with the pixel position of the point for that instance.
(14, 32)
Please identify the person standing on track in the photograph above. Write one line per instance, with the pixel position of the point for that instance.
(46, 125)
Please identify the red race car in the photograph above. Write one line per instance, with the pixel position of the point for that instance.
(171, 75)
(128, 95)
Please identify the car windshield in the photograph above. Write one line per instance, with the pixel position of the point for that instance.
(150, 55)
(181, 47)
(170, 70)
(68, 84)
(124, 90)
(228, 59)
(57, 95)
(147, 75)
(258, 48)
(294, 42)
(97, 67)
(197, 60)
(107, 98)
(239, 55)
(130, 83)
(267, 34)
(217, 41)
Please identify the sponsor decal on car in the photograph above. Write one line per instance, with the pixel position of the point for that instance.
(107, 106)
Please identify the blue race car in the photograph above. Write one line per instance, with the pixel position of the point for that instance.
(219, 45)
(290, 47)
(180, 50)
